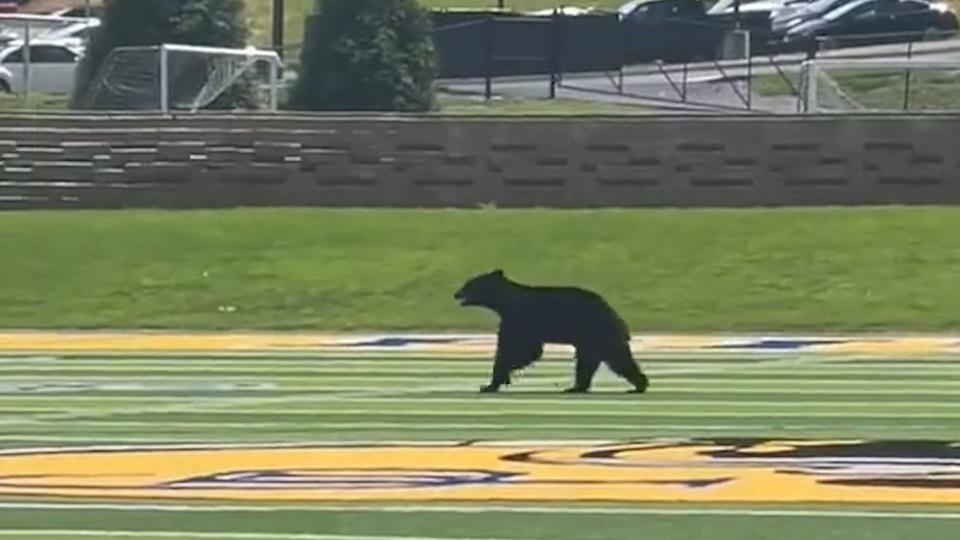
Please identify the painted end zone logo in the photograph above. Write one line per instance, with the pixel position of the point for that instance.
(704, 470)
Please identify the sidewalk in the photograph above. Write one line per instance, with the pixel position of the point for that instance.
(471, 345)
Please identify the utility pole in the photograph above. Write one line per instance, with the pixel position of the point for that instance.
(277, 38)
(87, 11)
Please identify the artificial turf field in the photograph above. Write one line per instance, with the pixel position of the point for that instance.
(730, 443)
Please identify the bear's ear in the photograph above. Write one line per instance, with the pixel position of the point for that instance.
(498, 272)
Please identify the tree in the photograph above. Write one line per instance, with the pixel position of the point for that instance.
(374, 55)
(216, 23)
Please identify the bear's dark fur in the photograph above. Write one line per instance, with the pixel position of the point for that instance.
(533, 316)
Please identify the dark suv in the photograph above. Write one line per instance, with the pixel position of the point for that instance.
(873, 22)
(668, 30)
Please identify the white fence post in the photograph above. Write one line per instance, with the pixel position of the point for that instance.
(808, 85)
(25, 58)
(813, 93)
(274, 79)
(164, 79)
(87, 12)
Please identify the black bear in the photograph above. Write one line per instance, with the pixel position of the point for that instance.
(533, 316)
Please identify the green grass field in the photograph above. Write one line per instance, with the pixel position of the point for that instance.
(666, 270)
(880, 89)
(36, 102)
(94, 399)
(446, 105)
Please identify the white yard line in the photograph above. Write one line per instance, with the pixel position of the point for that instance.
(453, 357)
(483, 508)
(572, 407)
(507, 424)
(400, 361)
(102, 419)
(295, 433)
(217, 535)
(214, 405)
(786, 392)
(521, 395)
(394, 426)
(190, 405)
(352, 393)
(788, 378)
(384, 361)
(421, 371)
(617, 409)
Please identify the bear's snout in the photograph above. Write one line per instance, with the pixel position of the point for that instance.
(461, 297)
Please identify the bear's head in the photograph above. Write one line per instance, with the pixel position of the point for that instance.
(483, 290)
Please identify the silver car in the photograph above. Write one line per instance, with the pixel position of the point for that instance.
(52, 66)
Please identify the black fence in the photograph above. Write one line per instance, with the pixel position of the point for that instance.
(493, 44)
(474, 44)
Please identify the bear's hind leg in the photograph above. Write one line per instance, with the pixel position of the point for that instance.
(587, 365)
(620, 361)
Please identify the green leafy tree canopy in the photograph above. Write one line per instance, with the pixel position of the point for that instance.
(367, 55)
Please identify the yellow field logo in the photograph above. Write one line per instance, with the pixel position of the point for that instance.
(733, 470)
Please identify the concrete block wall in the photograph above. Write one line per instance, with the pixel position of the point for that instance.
(677, 161)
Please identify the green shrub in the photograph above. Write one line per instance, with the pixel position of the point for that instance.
(215, 23)
(372, 55)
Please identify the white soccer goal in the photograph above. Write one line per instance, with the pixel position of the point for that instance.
(183, 77)
(844, 85)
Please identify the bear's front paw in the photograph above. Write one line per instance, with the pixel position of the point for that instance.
(489, 389)
(576, 390)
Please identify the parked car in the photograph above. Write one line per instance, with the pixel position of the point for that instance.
(74, 34)
(780, 23)
(762, 11)
(668, 30)
(872, 22)
(753, 16)
(52, 66)
(788, 9)
(569, 11)
(729, 7)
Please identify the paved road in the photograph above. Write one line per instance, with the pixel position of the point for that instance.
(708, 88)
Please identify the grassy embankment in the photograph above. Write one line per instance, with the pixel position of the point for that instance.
(814, 270)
